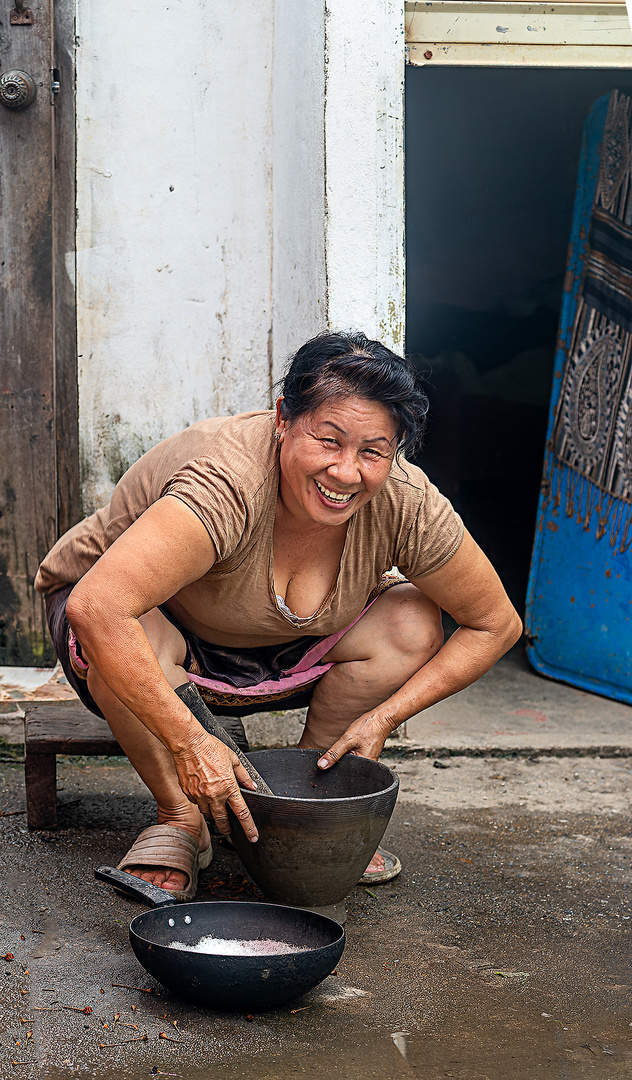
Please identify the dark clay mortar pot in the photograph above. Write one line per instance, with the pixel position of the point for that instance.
(319, 832)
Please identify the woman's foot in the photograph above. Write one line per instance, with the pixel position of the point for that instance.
(166, 877)
(384, 866)
(376, 865)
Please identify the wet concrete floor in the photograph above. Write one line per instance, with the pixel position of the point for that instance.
(503, 950)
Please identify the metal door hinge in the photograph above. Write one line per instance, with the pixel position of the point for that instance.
(55, 85)
(20, 15)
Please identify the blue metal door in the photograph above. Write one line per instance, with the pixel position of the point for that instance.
(579, 603)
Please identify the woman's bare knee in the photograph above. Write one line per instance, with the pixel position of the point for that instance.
(402, 627)
(165, 639)
(412, 624)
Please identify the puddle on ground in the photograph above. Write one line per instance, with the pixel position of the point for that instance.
(492, 1054)
(527, 1048)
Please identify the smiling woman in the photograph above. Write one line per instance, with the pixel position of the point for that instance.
(251, 557)
(348, 443)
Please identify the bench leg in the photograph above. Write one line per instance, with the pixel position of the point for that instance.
(40, 777)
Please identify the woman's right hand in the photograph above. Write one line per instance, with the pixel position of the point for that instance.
(209, 774)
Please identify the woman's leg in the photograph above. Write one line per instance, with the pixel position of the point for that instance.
(400, 633)
(150, 758)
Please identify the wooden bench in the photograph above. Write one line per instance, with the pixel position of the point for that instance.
(57, 727)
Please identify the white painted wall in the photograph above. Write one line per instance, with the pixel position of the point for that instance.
(239, 172)
(174, 255)
(338, 170)
(299, 288)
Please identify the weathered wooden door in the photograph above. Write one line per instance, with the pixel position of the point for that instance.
(38, 451)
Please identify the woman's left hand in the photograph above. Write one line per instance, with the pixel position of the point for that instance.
(365, 736)
(467, 587)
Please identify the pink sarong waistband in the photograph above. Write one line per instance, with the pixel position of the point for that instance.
(307, 671)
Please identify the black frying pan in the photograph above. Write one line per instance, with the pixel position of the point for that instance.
(226, 981)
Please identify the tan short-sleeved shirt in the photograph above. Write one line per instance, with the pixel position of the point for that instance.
(226, 470)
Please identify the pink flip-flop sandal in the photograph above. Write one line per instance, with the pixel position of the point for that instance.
(168, 845)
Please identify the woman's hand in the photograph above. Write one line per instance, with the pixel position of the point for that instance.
(365, 736)
(209, 774)
(468, 587)
(165, 550)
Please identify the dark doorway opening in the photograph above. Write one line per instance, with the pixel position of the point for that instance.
(491, 164)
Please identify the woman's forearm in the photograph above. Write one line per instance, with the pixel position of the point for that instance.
(469, 588)
(165, 550)
(461, 661)
(466, 656)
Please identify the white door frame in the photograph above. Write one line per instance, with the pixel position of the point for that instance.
(338, 153)
(338, 170)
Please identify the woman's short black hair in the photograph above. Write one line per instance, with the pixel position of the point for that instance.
(348, 364)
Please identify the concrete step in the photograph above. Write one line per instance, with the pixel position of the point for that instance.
(511, 710)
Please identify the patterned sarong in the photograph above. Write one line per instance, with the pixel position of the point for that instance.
(237, 682)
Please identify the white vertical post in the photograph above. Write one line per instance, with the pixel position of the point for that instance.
(299, 295)
(364, 187)
(337, 171)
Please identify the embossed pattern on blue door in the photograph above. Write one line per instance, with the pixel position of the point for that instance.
(579, 602)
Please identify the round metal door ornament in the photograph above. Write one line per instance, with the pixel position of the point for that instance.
(17, 89)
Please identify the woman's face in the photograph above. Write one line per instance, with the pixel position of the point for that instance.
(335, 459)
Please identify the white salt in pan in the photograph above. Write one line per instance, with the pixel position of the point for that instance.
(232, 947)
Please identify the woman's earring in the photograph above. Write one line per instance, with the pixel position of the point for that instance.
(277, 436)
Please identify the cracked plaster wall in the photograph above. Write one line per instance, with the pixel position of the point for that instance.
(174, 222)
(239, 188)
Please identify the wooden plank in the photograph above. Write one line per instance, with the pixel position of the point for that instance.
(63, 727)
(519, 24)
(28, 510)
(40, 779)
(420, 54)
(69, 509)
